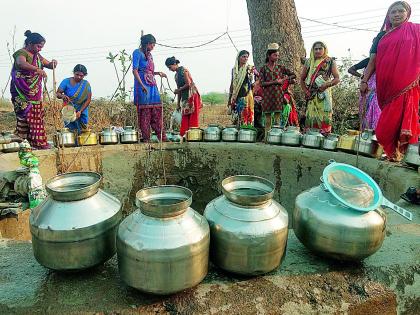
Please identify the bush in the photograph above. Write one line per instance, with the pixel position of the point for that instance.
(213, 98)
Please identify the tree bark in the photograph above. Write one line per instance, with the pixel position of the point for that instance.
(276, 21)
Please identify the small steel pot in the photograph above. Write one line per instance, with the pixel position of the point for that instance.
(64, 138)
(312, 139)
(365, 144)
(87, 138)
(291, 136)
(247, 135)
(274, 135)
(212, 133)
(412, 156)
(230, 134)
(176, 137)
(169, 136)
(194, 134)
(108, 136)
(129, 135)
(10, 147)
(5, 137)
(330, 142)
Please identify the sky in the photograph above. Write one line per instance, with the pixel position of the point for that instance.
(82, 31)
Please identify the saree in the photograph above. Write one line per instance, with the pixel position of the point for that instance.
(26, 92)
(319, 108)
(368, 106)
(397, 79)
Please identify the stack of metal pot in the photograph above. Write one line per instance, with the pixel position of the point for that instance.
(163, 247)
(75, 227)
(248, 228)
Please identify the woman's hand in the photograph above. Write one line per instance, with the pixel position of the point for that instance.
(78, 115)
(143, 88)
(363, 87)
(53, 64)
(41, 72)
(323, 87)
(162, 75)
(176, 91)
(65, 98)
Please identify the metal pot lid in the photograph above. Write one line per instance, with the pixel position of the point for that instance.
(73, 186)
(164, 201)
(248, 190)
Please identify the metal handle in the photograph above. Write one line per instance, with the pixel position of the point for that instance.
(405, 213)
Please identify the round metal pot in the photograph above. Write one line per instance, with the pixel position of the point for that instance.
(332, 230)
(291, 136)
(330, 142)
(163, 247)
(230, 134)
(176, 137)
(64, 138)
(365, 144)
(10, 147)
(274, 135)
(212, 133)
(248, 228)
(75, 226)
(412, 156)
(194, 134)
(169, 136)
(5, 137)
(86, 138)
(312, 139)
(154, 138)
(247, 135)
(347, 141)
(129, 135)
(108, 136)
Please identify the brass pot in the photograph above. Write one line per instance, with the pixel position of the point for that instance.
(347, 141)
(194, 134)
(87, 137)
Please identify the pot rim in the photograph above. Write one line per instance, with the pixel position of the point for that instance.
(146, 196)
(91, 187)
(232, 183)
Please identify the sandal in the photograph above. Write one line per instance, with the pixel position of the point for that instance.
(411, 196)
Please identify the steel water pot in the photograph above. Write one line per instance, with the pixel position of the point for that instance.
(291, 136)
(108, 136)
(212, 133)
(248, 228)
(230, 134)
(333, 230)
(64, 138)
(366, 144)
(75, 226)
(129, 135)
(163, 247)
(330, 142)
(312, 139)
(247, 135)
(412, 156)
(274, 135)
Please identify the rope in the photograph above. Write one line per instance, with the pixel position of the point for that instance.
(119, 83)
(231, 40)
(361, 129)
(196, 46)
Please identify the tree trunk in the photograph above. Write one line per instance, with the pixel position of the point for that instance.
(276, 21)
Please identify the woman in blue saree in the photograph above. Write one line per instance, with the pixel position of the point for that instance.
(77, 92)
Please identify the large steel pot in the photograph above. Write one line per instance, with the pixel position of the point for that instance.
(330, 142)
(347, 141)
(248, 228)
(312, 139)
(108, 136)
(230, 134)
(194, 134)
(247, 135)
(212, 133)
(64, 138)
(87, 137)
(10, 147)
(412, 156)
(129, 135)
(366, 144)
(274, 135)
(163, 247)
(75, 226)
(291, 136)
(330, 229)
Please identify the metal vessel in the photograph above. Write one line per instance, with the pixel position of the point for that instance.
(312, 139)
(230, 134)
(330, 142)
(366, 144)
(274, 135)
(247, 135)
(5, 137)
(10, 147)
(176, 137)
(291, 136)
(129, 135)
(248, 228)
(412, 156)
(108, 136)
(75, 226)
(163, 247)
(347, 141)
(64, 138)
(154, 138)
(212, 133)
(87, 137)
(332, 230)
(169, 136)
(194, 134)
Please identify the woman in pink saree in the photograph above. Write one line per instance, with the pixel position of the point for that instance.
(397, 64)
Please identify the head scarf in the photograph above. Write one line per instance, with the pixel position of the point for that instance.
(387, 23)
(313, 63)
(238, 74)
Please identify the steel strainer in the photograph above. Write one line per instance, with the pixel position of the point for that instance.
(356, 189)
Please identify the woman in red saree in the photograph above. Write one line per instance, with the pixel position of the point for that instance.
(26, 90)
(396, 58)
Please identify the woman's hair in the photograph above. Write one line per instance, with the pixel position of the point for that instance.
(80, 68)
(147, 39)
(404, 4)
(269, 53)
(33, 38)
(241, 53)
(319, 43)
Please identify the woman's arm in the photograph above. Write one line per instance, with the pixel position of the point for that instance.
(303, 76)
(370, 69)
(137, 76)
(48, 64)
(354, 72)
(61, 95)
(334, 81)
(24, 65)
(85, 105)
